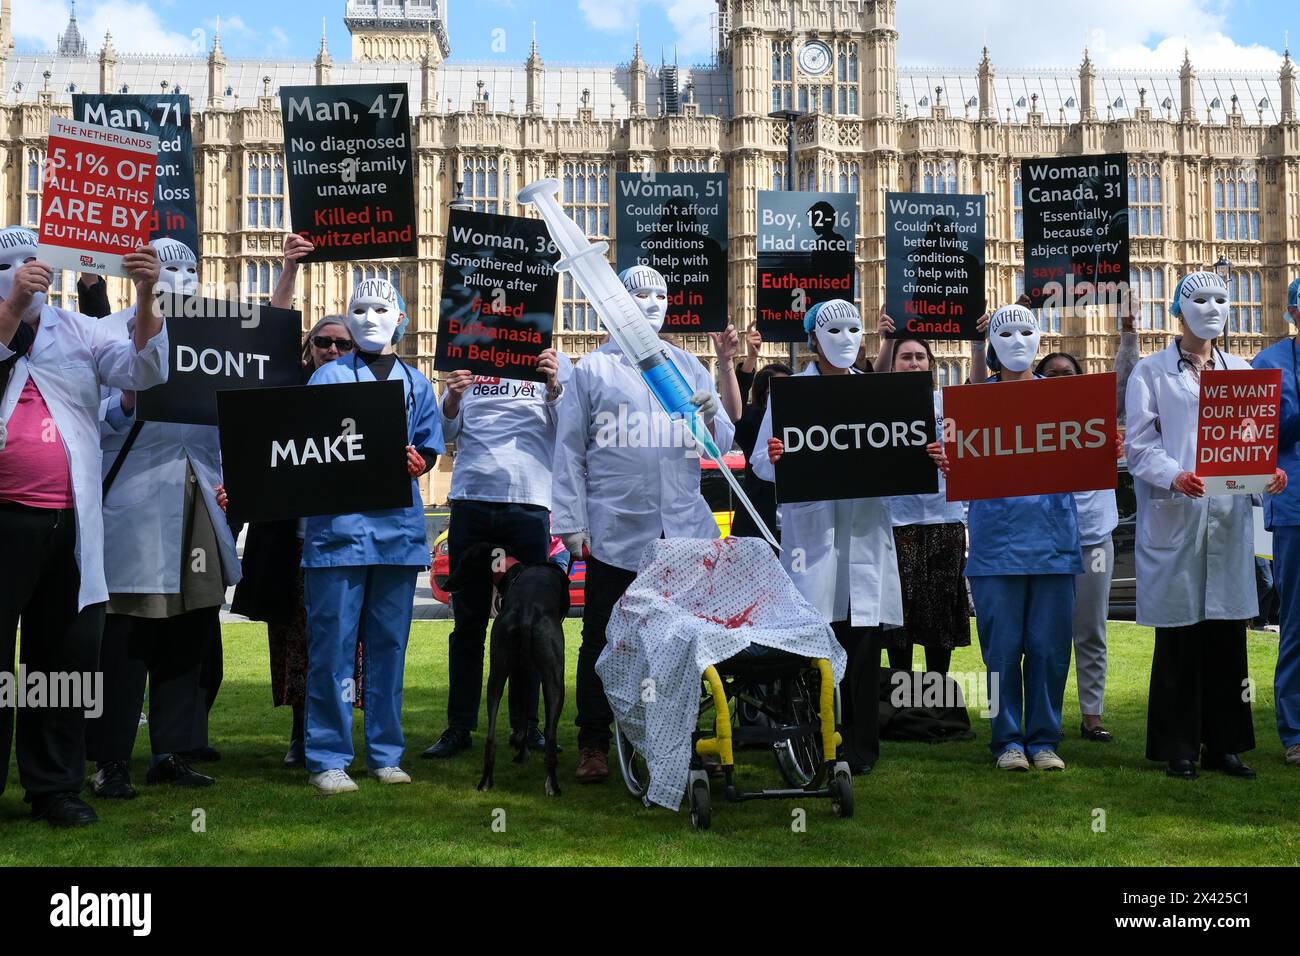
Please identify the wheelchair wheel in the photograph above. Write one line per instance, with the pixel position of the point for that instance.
(841, 787)
(701, 805)
(800, 757)
(636, 775)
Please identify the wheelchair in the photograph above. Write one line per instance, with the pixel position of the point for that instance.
(773, 701)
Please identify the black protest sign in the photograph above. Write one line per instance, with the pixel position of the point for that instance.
(213, 346)
(1076, 230)
(853, 436)
(314, 450)
(175, 210)
(934, 264)
(497, 311)
(347, 153)
(806, 245)
(676, 223)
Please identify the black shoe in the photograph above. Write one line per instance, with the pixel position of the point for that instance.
(1182, 768)
(112, 781)
(1227, 763)
(62, 810)
(296, 755)
(176, 771)
(535, 738)
(451, 742)
(201, 755)
(1098, 735)
(861, 769)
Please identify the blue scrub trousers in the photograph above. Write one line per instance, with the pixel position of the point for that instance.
(341, 602)
(1029, 618)
(1286, 679)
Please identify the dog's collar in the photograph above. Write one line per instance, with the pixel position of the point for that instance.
(498, 575)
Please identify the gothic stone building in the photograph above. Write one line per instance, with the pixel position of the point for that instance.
(1214, 157)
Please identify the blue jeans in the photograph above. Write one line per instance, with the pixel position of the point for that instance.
(1286, 679)
(340, 602)
(524, 531)
(1025, 629)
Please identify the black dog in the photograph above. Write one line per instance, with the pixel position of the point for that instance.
(527, 637)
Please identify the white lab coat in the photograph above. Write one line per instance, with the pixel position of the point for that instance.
(623, 471)
(1194, 556)
(840, 554)
(72, 357)
(143, 511)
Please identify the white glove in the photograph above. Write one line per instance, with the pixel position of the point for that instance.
(575, 541)
(707, 403)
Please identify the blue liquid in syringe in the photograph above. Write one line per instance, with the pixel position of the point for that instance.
(668, 385)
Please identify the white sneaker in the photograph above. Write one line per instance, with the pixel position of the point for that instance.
(1012, 759)
(331, 782)
(391, 775)
(1293, 755)
(1048, 760)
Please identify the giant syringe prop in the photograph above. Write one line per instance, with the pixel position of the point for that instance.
(587, 263)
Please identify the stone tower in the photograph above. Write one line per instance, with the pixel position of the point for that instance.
(400, 30)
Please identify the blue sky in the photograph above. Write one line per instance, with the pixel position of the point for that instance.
(1221, 34)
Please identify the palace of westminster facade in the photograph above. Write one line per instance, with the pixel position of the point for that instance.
(1214, 158)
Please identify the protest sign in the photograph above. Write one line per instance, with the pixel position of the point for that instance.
(314, 450)
(1237, 430)
(853, 436)
(216, 345)
(98, 196)
(351, 180)
(676, 223)
(1075, 230)
(934, 264)
(806, 244)
(1037, 437)
(175, 214)
(499, 282)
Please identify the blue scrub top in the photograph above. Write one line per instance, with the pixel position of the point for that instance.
(1032, 534)
(394, 536)
(1284, 509)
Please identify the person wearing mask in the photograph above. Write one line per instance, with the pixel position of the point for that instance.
(1098, 517)
(624, 475)
(1022, 563)
(1282, 517)
(53, 364)
(929, 531)
(360, 569)
(840, 554)
(169, 557)
(504, 430)
(1194, 554)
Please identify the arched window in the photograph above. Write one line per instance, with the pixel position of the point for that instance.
(260, 279)
(264, 198)
(1146, 215)
(1245, 313)
(1236, 203)
(1017, 205)
(939, 176)
(586, 200)
(482, 182)
(782, 76)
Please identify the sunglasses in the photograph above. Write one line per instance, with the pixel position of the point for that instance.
(323, 342)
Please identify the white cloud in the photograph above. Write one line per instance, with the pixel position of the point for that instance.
(1119, 34)
(136, 27)
(691, 19)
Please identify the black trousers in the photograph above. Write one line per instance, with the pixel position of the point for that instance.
(169, 654)
(1198, 692)
(524, 531)
(604, 586)
(937, 659)
(39, 582)
(860, 693)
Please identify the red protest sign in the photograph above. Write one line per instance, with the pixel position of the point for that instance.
(98, 197)
(1043, 436)
(1236, 430)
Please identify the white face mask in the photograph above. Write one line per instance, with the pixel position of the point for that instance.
(16, 247)
(1015, 336)
(178, 268)
(1202, 302)
(649, 292)
(839, 332)
(374, 314)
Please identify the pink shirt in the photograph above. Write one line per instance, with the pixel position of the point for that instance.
(33, 464)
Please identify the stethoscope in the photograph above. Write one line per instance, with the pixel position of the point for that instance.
(410, 388)
(1223, 362)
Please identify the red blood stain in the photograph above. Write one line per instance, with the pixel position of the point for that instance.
(733, 622)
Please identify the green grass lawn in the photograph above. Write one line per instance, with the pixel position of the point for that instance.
(930, 805)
